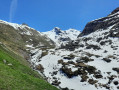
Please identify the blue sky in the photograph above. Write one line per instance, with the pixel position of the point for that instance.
(44, 15)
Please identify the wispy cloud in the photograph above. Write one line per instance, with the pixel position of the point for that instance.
(13, 8)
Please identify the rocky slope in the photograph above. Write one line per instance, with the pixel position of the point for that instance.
(61, 37)
(20, 38)
(90, 62)
(103, 23)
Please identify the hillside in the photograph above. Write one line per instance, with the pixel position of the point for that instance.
(15, 73)
(20, 37)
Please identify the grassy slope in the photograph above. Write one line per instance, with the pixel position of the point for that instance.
(19, 76)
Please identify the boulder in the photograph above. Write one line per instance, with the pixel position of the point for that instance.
(4, 61)
(56, 83)
(107, 60)
(91, 81)
(116, 69)
(40, 68)
(116, 82)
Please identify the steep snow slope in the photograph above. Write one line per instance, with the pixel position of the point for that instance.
(92, 65)
(62, 37)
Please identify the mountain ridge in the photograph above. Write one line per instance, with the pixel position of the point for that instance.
(101, 23)
(62, 36)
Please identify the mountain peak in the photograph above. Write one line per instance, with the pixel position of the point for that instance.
(57, 30)
(62, 36)
(25, 24)
(115, 11)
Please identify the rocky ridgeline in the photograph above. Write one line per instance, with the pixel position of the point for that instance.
(103, 23)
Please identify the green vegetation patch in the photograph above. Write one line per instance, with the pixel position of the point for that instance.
(15, 74)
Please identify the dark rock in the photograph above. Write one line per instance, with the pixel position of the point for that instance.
(105, 51)
(107, 60)
(82, 71)
(82, 65)
(116, 82)
(70, 46)
(81, 45)
(116, 69)
(60, 61)
(98, 76)
(99, 39)
(102, 43)
(40, 68)
(65, 88)
(97, 56)
(57, 30)
(86, 39)
(69, 57)
(84, 78)
(95, 47)
(118, 87)
(91, 81)
(115, 11)
(90, 69)
(71, 62)
(85, 59)
(56, 83)
(54, 78)
(69, 72)
(107, 87)
(55, 73)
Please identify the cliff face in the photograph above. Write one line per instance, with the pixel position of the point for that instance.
(102, 23)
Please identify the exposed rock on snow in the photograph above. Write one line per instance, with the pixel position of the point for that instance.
(89, 62)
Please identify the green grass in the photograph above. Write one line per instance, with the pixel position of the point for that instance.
(19, 76)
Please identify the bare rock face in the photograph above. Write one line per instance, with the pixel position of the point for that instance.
(115, 11)
(102, 23)
(57, 30)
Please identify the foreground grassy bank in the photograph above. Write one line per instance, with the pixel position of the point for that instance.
(15, 74)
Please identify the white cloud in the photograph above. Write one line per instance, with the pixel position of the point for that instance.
(13, 8)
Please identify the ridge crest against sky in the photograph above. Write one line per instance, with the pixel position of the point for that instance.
(44, 15)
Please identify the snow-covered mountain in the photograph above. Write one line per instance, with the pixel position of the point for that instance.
(87, 62)
(62, 37)
(91, 62)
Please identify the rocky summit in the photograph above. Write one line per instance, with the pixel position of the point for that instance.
(62, 37)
